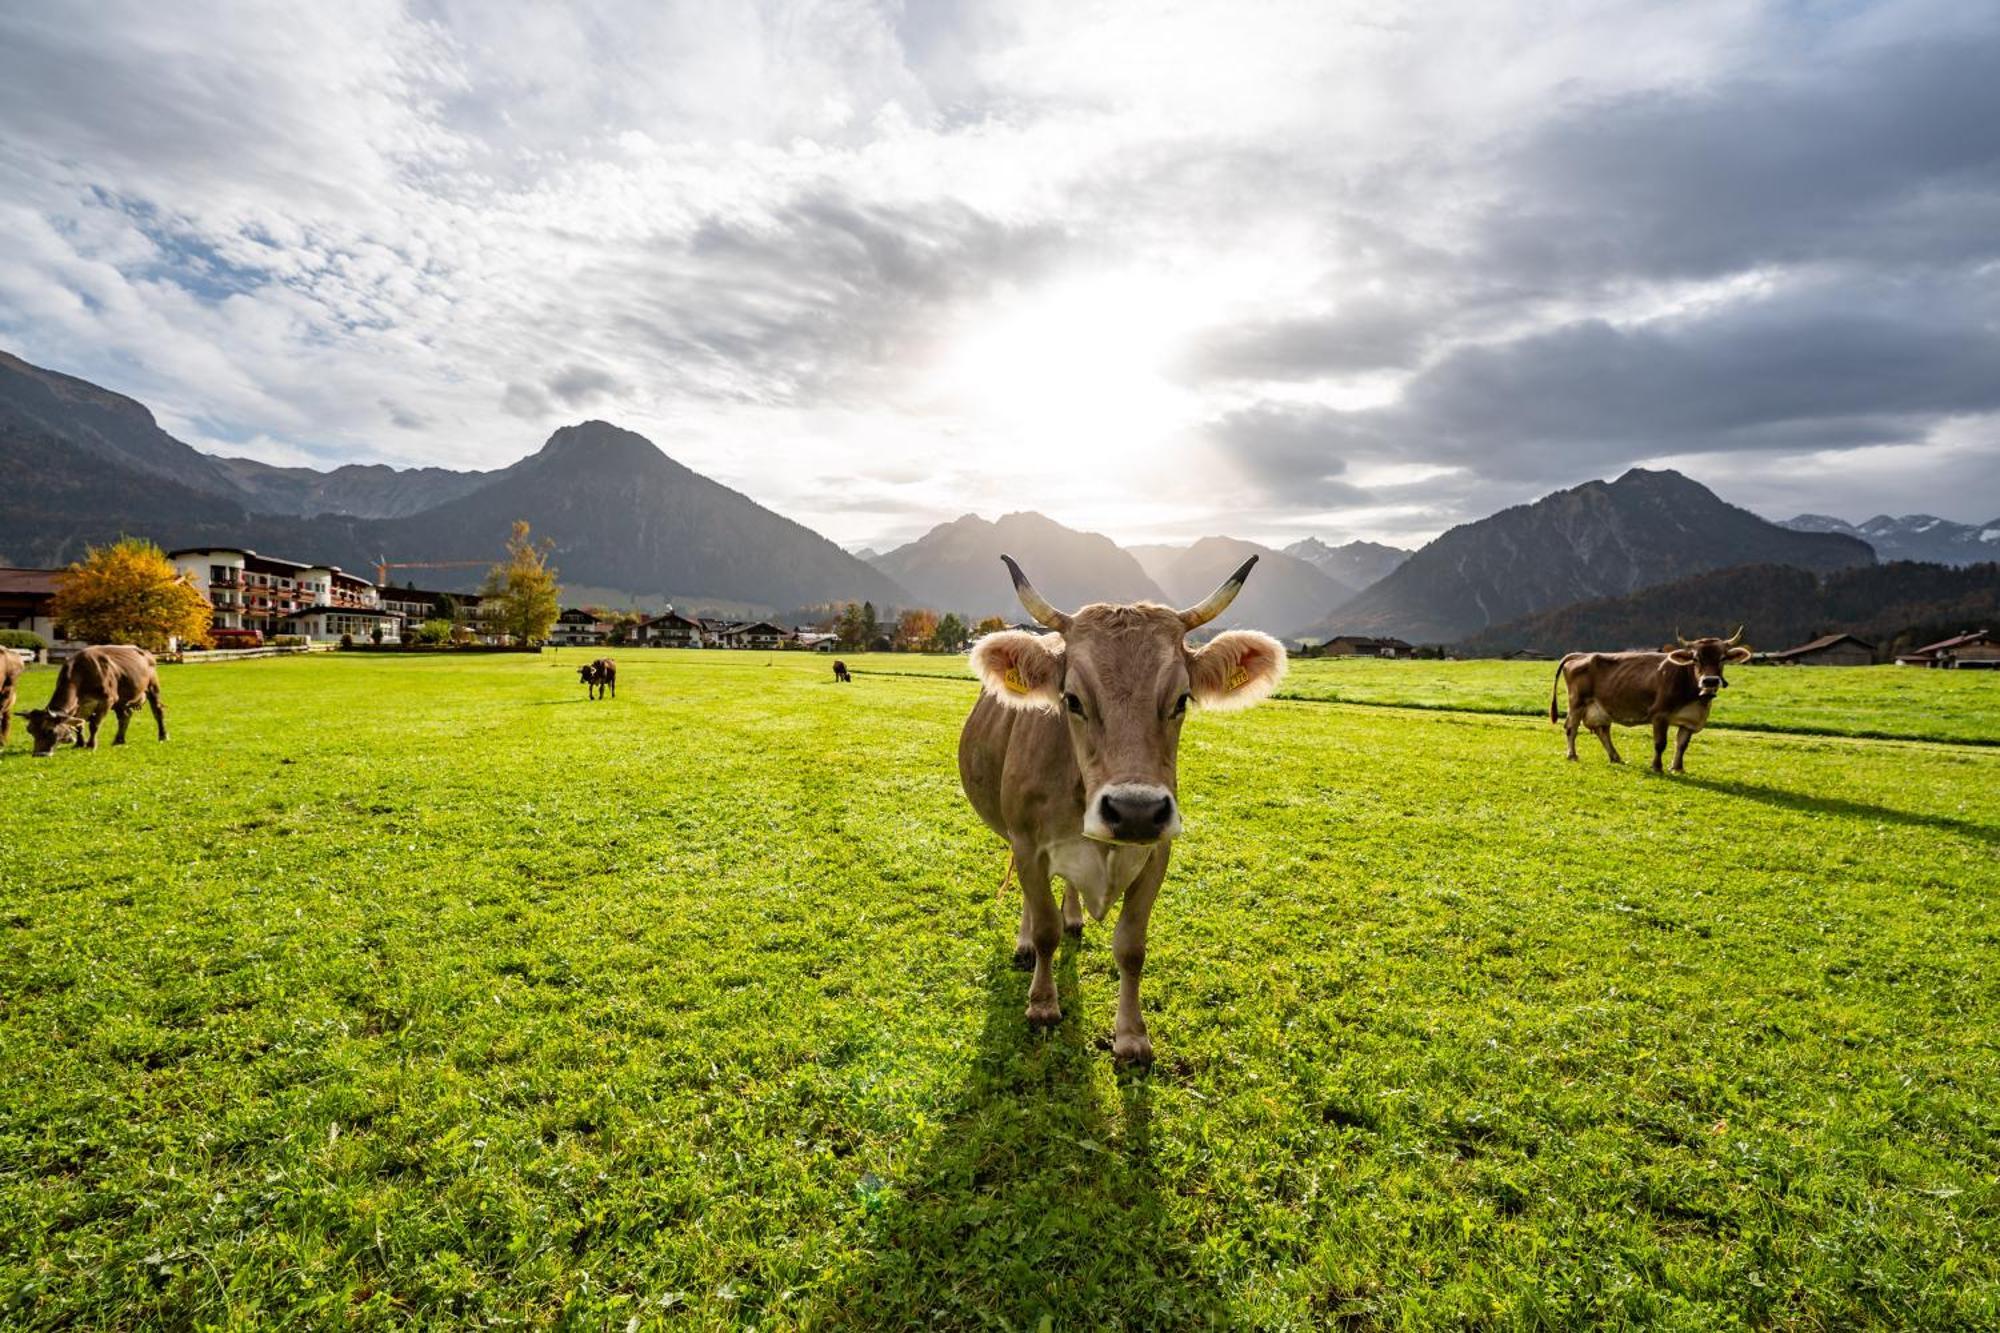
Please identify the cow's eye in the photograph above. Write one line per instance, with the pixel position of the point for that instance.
(1074, 704)
(1180, 705)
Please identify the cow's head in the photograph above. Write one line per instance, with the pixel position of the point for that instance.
(48, 730)
(1707, 657)
(1123, 676)
(587, 674)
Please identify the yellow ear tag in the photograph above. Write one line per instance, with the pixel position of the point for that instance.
(1012, 680)
(1238, 678)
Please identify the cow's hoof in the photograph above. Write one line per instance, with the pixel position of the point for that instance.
(1024, 959)
(1571, 758)
(1044, 1013)
(1073, 929)
(1679, 769)
(1131, 1050)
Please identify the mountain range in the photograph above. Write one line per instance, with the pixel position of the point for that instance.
(1599, 539)
(956, 565)
(83, 465)
(1356, 565)
(1284, 592)
(1895, 607)
(1913, 537)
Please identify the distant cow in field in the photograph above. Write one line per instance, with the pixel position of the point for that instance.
(840, 673)
(1673, 688)
(11, 667)
(1069, 755)
(114, 677)
(598, 677)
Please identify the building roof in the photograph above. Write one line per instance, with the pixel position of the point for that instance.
(1823, 641)
(33, 582)
(1965, 640)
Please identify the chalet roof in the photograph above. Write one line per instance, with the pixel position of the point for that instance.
(1823, 641)
(1965, 640)
(33, 582)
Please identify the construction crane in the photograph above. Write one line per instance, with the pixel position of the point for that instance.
(383, 564)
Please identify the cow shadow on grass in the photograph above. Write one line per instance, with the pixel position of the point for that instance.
(1808, 803)
(1039, 1198)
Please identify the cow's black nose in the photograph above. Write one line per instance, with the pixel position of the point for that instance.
(1137, 814)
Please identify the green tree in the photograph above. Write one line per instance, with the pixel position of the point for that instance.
(850, 628)
(951, 634)
(871, 628)
(129, 592)
(520, 597)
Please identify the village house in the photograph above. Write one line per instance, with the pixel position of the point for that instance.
(754, 634)
(25, 596)
(1976, 649)
(1361, 645)
(670, 629)
(577, 628)
(1827, 650)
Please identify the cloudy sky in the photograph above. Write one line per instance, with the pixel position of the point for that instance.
(1155, 269)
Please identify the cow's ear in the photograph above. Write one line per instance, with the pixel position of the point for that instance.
(1019, 668)
(1236, 669)
(1740, 653)
(1681, 657)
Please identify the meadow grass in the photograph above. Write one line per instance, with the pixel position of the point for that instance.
(421, 990)
(1879, 703)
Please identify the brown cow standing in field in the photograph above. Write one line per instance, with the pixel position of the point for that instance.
(110, 676)
(1666, 689)
(840, 673)
(11, 667)
(598, 677)
(1069, 755)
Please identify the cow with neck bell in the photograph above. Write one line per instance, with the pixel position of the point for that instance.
(1069, 755)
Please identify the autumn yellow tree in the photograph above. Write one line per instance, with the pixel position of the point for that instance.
(520, 596)
(914, 630)
(129, 592)
(990, 625)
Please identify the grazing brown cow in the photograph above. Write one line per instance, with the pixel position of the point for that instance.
(1666, 689)
(840, 673)
(11, 667)
(1069, 755)
(116, 677)
(598, 677)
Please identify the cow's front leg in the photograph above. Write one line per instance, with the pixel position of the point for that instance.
(1129, 1042)
(1072, 915)
(1041, 931)
(87, 736)
(1681, 747)
(1659, 742)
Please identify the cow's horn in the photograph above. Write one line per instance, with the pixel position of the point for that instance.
(1038, 605)
(1680, 638)
(1734, 639)
(1218, 601)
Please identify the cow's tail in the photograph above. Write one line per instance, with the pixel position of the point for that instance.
(1556, 689)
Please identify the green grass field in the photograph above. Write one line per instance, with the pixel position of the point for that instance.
(421, 991)
(1879, 703)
